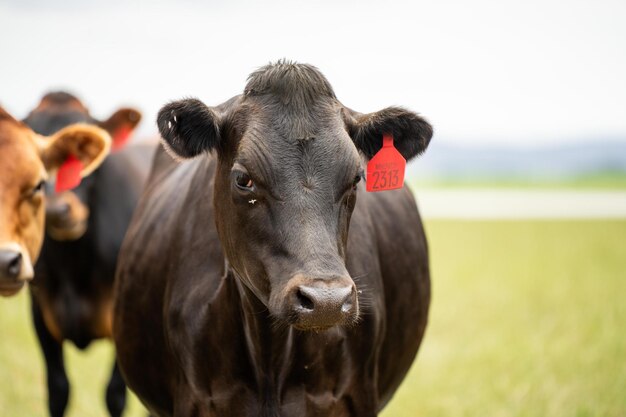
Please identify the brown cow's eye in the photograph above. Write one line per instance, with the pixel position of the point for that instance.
(39, 187)
(244, 181)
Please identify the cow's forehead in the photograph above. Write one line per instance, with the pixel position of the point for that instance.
(292, 129)
(60, 101)
(55, 111)
(19, 156)
(324, 158)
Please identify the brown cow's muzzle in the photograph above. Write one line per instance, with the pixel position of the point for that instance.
(318, 304)
(66, 217)
(15, 271)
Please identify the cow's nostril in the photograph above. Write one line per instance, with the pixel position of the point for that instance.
(304, 300)
(347, 305)
(59, 209)
(15, 265)
(10, 263)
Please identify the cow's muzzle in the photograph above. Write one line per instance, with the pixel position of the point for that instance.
(66, 217)
(15, 270)
(321, 303)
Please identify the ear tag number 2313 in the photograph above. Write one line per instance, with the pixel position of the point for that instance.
(385, 171)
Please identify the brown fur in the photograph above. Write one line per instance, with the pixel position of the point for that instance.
(22, 210)
(26, 159)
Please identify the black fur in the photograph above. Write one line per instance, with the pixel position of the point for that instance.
(290, 82)
(59, 97)
(411, 133)
(194, 131)
(225, 293)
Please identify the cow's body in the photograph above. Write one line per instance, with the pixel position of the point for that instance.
(72, 293)
(193, 340)
(73, 286)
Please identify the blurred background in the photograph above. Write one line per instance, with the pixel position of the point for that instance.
(523, 188)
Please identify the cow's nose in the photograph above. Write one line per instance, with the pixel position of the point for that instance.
(58, 210)
(10, 264)
(324, 303)
(324, 298)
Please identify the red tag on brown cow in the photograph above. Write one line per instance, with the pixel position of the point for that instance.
(68, 176)
(385, 171)
(120, 137)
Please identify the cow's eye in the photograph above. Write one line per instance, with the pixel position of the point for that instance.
(244, 181)
(39, 187)
(356, 180)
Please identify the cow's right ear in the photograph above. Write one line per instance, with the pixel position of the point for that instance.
(121, 125)
(87, 143)
(188, 128)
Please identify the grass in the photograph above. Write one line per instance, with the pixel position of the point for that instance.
(22, 374)
(528, 319)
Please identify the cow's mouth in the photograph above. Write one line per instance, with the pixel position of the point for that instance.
(313, 329)
(65, 230)
(313, 324)
(8, 289)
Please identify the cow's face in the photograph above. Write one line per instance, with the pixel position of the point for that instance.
(67, 212)
(287, 183)
(26, 161)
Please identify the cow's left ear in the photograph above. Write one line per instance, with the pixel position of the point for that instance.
(411, 133)
(87, 143)
(121, 125)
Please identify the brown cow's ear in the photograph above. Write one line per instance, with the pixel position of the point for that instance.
(87, 143)
(411, 132)
(121, 125)
(188, 128)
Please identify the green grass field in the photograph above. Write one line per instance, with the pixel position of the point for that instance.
(592, 181)
(528, 319)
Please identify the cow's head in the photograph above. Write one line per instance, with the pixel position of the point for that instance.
(290, 161)
(26, 161)
(67, 212)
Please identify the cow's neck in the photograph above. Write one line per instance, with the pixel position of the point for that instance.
(270, 346)
(287, 361)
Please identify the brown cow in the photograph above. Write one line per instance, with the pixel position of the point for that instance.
(27, 160)
(240, 291)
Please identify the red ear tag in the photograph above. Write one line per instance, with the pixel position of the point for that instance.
(385, 171)
(68, 176)
(120, 137)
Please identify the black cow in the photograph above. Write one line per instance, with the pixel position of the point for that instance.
(73, 286)
(239, 290)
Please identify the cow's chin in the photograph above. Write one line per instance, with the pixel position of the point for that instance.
(312, 329)
(67, 232)
(315, 326)
(8, 289)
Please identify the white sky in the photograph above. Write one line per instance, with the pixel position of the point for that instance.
(507, 72)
